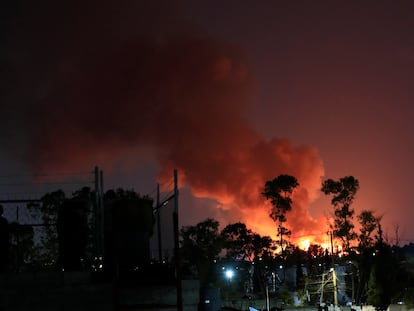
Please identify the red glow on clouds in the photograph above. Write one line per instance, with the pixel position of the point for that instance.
(181, 96)
(237, 184)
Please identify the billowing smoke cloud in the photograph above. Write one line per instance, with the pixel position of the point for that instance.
(90, 89)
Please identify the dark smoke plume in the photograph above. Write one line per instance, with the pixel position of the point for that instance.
(89, 84)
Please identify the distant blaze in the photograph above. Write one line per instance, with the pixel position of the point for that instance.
(185, 98)
(304, 244)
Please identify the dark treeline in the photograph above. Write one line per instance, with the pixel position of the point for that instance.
(378, 274)
(374, 271)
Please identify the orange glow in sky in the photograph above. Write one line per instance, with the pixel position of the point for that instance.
(229, 102)
(304, 244)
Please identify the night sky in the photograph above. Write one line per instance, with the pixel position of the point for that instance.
(231, 93)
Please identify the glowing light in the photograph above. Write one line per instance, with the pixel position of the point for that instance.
(325, 246)
(304, 244)
(229, 274)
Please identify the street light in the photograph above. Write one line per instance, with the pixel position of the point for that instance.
(229, 274)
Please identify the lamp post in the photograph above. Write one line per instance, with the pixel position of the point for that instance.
(355, 265)
(335, 288)
(177, 245)
(229, 274)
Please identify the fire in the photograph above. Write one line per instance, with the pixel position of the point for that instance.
(261, 223)
(304, 244)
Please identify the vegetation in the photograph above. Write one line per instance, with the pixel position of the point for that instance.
(201, 245)
(208, 253)
(279, 192)
(343, 191)
(375, 272)
(30, 253)
(255, 260)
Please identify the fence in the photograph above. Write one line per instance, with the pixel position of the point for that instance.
(33, 224)
(34, 238)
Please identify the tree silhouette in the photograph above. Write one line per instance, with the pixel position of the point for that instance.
(23, 248)
(73, 230)
(47, 211)
(200, 247)
(383, 283)
(343, 191)
(279, 192)
(243, 245)
(129, 222)
(238, 241)
(369, 223)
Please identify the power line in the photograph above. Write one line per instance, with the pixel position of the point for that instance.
(60, 174)
(45, 183)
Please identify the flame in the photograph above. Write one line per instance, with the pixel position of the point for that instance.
(183, 99)
(304, 244)
(325, 245)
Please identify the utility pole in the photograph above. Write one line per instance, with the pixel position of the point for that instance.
(99, 214)
(322, 289)
(159, 224)
(332, 250)
(353, 287)
(335, 289)
(267, 298)
(177, 245)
